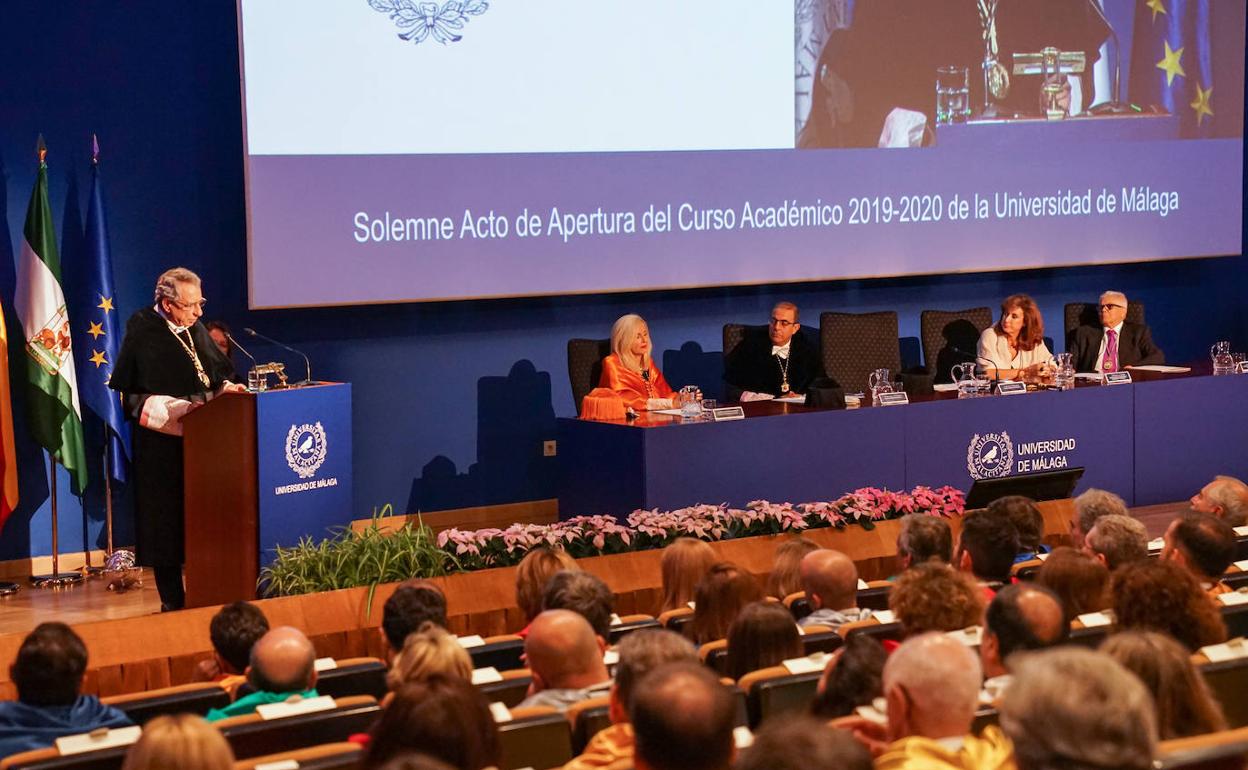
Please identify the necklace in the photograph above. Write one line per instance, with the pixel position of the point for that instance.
(783, 363)
(190, 351)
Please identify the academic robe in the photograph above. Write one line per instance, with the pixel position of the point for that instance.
(752, 366)
(635, 390)
(153, 363)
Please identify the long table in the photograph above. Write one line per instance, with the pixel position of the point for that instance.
(1154, 441)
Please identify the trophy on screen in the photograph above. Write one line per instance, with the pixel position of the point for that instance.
(996, 76)
(1053, 66)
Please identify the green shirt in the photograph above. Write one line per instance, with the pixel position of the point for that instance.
(248, 703)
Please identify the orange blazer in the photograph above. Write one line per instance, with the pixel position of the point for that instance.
(629, 384)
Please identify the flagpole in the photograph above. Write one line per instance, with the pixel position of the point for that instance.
(56, 578)
(108, 498)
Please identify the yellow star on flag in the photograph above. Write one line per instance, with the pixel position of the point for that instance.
(1201, 104)
(106, 303)
(1158, 6)
(1172, 64)
(97, 358)
(96, 330)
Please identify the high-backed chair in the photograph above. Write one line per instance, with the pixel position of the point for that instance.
(853, 345)
(950, 337)
(253, 736)
(733, 335)
(327, 756)
(585, 366)
(198, 698)
(537, 736)
(501, 652)
(774, 690)
(588, 718)
(1088, 314)
(675, 620)
(715, 655)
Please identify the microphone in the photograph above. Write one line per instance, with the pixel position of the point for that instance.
(241, 349)
(308, 364)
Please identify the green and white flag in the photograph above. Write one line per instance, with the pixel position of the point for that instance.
(52, 392)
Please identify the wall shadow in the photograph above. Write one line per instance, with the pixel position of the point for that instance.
(690, 365)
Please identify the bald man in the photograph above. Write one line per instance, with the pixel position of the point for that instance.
(565, 656)
(1021, 617)
(283, 668)
(1115, 343)
(683, 719)
(830, 580)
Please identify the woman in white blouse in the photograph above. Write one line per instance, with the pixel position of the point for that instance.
(1014, 348)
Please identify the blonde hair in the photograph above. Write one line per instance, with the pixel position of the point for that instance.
(684, 563)
(428, 651)
(534, 571)
(182, 741)
(621, 335)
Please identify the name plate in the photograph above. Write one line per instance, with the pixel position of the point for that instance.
(742, 738)
(1232, 650)
(884, 616)
(324, 664)
(808, 665)
(468, 642)
(611, 658)
(1011, 388)
(281, 764)
(292, 708)
(971, 637)
(1096, 619)
(1117, 378)
(894, 399)
(1233, 598)
(725, 413)
(1241, 367)
(486, 675)
(102, 738)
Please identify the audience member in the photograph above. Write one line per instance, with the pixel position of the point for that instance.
(1078, 709)
(583, 593)
(640, 653)
(986, 549)
(1079, 579)
(444, 717)
(565, 656)
(233, 630)
(830, 580)
(1205, 545)
(685, 562)
(428, 652)
(1091, 505)
(683, 719)
(48, 675)
(415, 761)
(283, 664)
(1162, 596)
(1184, 704)
(852, 678)
(802, 743)
(184, 741)
(410, 606)
(533, 573)
(786, 570)
(1225, 497)
(1117, 540)
(1028, 523)
(934, 597)
(763, 635)
(1019, 618)
(720, 595)
(923, 538)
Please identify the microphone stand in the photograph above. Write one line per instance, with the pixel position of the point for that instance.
(306, 362)
(242, 350)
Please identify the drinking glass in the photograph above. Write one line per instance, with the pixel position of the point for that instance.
(1064, 371)
(953, 96)
(879, 382)
(690, 401)
(257, 382)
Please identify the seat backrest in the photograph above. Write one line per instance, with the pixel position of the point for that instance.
(774, 690)
(588, 718)
(539, 739)
(631, 623)
(328, 756)
(51, 759)
(502, 653)
(511, 690)
(675, 620)
(353, 676)
(252, 736)
(733, 335)
(821, 639)
(950, 337)
(585, 366)
(1088, 314)
(874, 598)
(984, 716)
(878, 631)
(853, 345)
(1089, 637)
(198, 698)
(1225, 750)
(1228, 681)
(1236, 618)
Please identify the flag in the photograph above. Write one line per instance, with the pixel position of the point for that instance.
(97, 330)
(8, 450)
(1172, 61)
(52, 389)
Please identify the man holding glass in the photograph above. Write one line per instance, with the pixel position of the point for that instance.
(1116, 343)
(775, 364)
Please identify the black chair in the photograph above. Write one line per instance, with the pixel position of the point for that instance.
(585, 366)
(984, 717)
(734, 335)
(142, 707)
(875, 598)
(1235, 580)
(353, 676)
(821, 641)
(250, 736)
(503, 655)
(880, 632)
(622, 630)
(855, 344)
(774, 691)
(1090, 637)
(1236, 619)
(587, 721)
(1228, 681)
(950, 337)
(542, 740)
(50, 759)
(1088, 314)
(509, 692)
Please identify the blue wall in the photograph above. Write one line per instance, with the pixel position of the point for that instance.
(452, 400)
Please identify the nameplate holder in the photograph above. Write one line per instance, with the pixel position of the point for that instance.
(800, 631)
(616, 620)
(486, 675)
(1096, 619)
(470, 641)
(281, 764)
(884, 616)
(971, 636)
(894, 399)
(325, 664)
(1241, 531)
(727, 413)
(1241, 565)
(500, 712)
(296, 707)
(1233, 598)
(1156, 544)
(1232, 650)
(97, 739)
(1011, 388)
(1241, 367)
(1116, 378)
(808, 665)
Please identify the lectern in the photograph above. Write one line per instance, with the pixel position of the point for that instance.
(262, 470)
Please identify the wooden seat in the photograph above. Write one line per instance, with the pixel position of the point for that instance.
(328, 756)
(353, 676)
(586, 719)
(501, 652)
(630, 623)
(536, 737)
(872, 628)
(252, 736)
(675, 620)
(51, 759)
(1225, 750)
(1026, 570)
(511, 690)
(198, 698)
(774, 690)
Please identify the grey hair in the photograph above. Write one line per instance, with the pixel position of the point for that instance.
(1111, 293)
(167, 283)
(941, 675)
(1230, 494)
(1076, 709)
(1120, 539)
(643, 651)
(1095, 503)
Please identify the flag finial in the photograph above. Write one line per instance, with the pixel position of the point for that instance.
(95, 149)
(41, 149)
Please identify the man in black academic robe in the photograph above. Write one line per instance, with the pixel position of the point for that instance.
(167, 366)
(776, 361)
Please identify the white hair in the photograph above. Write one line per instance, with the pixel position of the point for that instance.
(940, 675)
(167, 283)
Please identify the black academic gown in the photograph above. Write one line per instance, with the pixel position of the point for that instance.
(752, 366)
(152, 362)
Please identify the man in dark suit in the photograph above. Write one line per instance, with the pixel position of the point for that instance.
(1116, 343)
(779, 362)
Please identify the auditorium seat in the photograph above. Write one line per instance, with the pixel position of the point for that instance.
(873, 628)
(774, 690)
(1026, 570)
(984, 716)
(798, 604)
(875, 596)
(1225, 750)
(675, 620)
(950, 337)
(1228, 681)
(253, 736)
(511, 690)
(853, 345)
(51, 759)
(353, 676)
(733, 334)
(1236, 618)
(821, 639)
(501, 652)
(585, 367)
(1090, 637)
(715, 655)
(328, 756)
(198, 698)
(631, 623)
(587, 718)
(1088, 314)
(538, 737)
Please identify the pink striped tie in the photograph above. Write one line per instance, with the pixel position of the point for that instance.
(1110, 362)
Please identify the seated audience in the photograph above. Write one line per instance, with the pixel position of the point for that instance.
(583, 593)
(233, 630)
(1075, 708)
(830, 580)
(683, 719)
(1225, 497)
(1154, 595)
(1091, 505)
(683, 565)
(428, 652)
(720, 595)
(802, 743)
(786, 575)
(1080, 581)
(283, 664)
(184, 741)
(1115, 343)
(630, 369)
(934, 597)
(1019, 618)
(48, 675)
(1116, 541)
(923, 538)
(1184, 704)
(1013, 348)
(852, 678)
(533, 573)
(777, 362)
(1205, 545)
(412, 604)
(1028, 523)
(565, 656)
(763, 635)
(640, 653)
(986, 549)
(414, 761)
(443, 717)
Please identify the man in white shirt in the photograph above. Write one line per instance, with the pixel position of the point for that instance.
(1116, 343)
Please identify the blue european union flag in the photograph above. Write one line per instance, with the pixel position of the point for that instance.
(1172, 62)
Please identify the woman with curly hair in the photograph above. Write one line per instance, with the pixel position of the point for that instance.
(1184, 704)
(1162, 596)
(935, 597)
